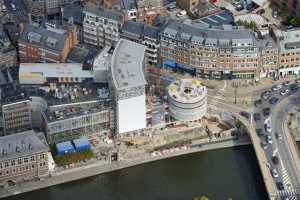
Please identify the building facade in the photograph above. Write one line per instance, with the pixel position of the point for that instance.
(128, 86)
(188, 5)
(101, 26)
(8, 54)
(148, 10)
(16, 116)
(223, 52)
(71, 122)
(45, 45)
(23, 157)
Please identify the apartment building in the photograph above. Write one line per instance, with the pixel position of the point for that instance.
(16, 114)
(188, 5)
(51, 45)
(36, 6)
(8, 54)
(269, 57)
(146, 35)
(23, 157)
(289, 51)
(148, 10)
(62, 123)
(292, 6)
(53, 6)
(101, 26)
(222, 52)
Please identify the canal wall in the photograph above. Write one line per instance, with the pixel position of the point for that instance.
(97, 168)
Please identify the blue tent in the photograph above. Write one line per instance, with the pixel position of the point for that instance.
(81, 144)
(64, 148)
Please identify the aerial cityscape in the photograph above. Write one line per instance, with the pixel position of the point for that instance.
(150, 99)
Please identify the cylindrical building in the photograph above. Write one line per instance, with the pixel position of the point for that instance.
(187, 99)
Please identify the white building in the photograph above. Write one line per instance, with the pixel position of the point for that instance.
(41, 73)
(187, 99)
(128, 84)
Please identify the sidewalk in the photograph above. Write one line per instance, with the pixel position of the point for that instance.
(100, 168)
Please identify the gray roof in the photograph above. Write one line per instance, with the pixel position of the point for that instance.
(21, 144)
(129, 4)
(127, 65)
(218, 19)
(103, 12)
(51, 39)
(177, 30)
(151, 32)
(133, 28)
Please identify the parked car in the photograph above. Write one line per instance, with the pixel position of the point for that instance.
(260, 132)
(239, 7)
(266, 111)
(181, 13)
(275, 13)
(245, 114)
(260, 12)
(275, 160)
(294, 87)
(268, 128)
(264, 145)
(266, 94)
(256, 116)
(276, 87)
(286, 83)
(284, 92)
(273, 100)
(274, 173)
(280, 185)
(257, 102)
(269, 139)
(278, 136)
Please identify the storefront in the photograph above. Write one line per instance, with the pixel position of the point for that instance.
(243, 75)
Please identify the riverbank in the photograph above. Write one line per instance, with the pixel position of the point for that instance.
(99, 168)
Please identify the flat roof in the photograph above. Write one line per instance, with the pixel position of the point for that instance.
(21, 144)
(55, 70)
(127, 65)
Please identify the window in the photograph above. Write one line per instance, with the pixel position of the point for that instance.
(13, 163)
(6, 164)
(25, 160)
(32, 158)
(20, 161)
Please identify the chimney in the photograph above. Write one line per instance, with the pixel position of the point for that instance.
(29, 18)
(21, 28)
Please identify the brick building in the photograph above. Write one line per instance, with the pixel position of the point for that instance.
(45, 45)
(23, 157)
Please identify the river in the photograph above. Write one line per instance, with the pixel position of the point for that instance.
(220, 174)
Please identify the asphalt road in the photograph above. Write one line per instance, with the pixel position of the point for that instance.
(286, 167)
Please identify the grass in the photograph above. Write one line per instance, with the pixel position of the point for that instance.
(62, 160)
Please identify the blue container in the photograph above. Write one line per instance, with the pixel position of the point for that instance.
(81, 144)
(64, 148)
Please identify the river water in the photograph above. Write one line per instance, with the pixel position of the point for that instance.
(220, 174)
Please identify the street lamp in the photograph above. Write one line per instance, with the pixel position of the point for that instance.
(235, 85)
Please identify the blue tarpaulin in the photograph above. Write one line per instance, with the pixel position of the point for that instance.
(64, 147)
(81, 144)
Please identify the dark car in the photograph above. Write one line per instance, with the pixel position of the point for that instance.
(260, 132)
(273, 100)
(245, 114)
(266, 111)
(257, 102)
(239, 7)
(266, 94)
(294, 87)
(256, 116)
(279, 185)
(275, 160)
(260, 12)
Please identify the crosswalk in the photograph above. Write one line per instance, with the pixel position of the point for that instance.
(291, 194)
(285, 177)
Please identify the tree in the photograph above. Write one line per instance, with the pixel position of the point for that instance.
(201, 198)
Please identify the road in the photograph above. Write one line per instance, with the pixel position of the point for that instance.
(286, 168)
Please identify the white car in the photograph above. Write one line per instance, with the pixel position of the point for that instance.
(284, 92)
(181, 13)
(269, 139)
(274, 173)
(276, 87)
